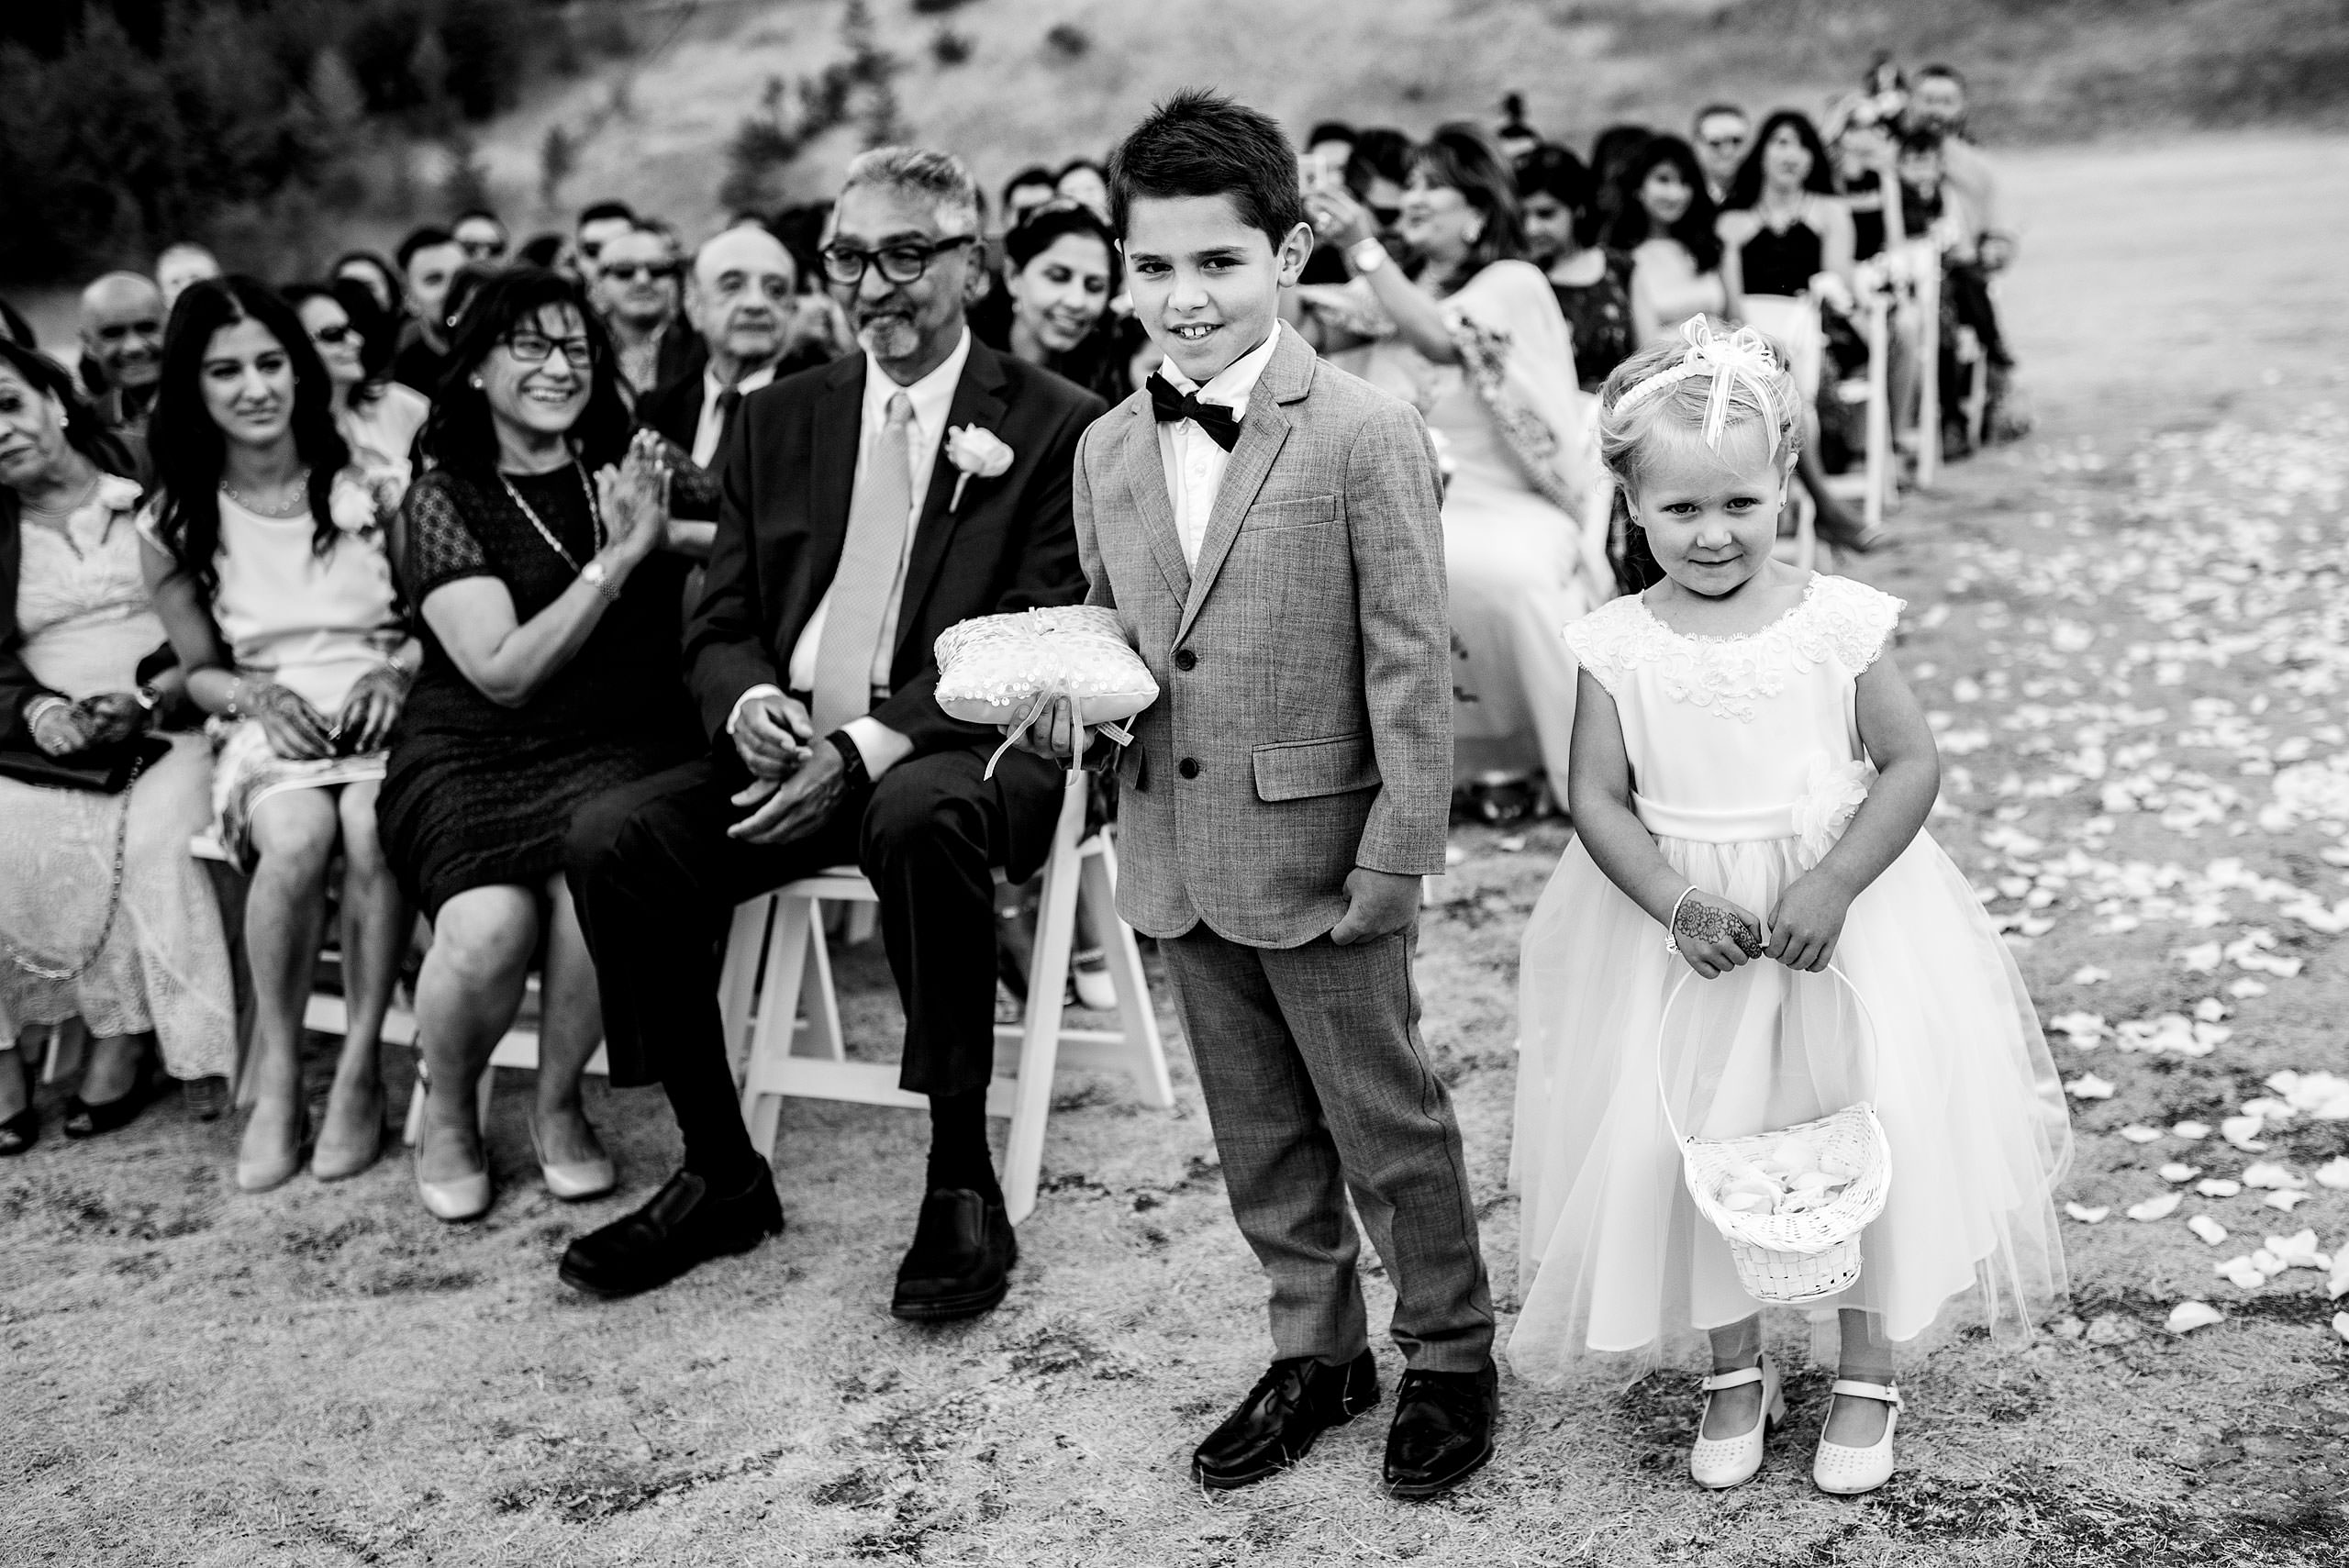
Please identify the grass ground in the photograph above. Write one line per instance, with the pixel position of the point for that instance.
(2143, 600)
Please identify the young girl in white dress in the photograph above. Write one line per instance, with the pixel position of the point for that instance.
(1750, 781)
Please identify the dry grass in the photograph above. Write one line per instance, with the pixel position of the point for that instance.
(325, 1375)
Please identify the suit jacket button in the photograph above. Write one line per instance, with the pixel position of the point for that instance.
(1188, 767)
(1185, 660)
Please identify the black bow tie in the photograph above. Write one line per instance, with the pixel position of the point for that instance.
(1220, 423)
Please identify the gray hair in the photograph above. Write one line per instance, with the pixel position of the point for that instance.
(940, 178)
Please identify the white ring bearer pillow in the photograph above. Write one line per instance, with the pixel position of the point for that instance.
(1007, 670)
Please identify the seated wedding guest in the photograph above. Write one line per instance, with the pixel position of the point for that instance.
(122, 340)
(598, 224)
(378, 416)
(1665, 221)
(811, 658)
(1611, 153)
(636, 294)
(1515, 136)
(1083, 180)
(1937, 103)
(1330, 141)
(1374, 174)
(1060, 271)
(429, 259)
(1025, 191)
(1592, 283)
(1861, 141)
(1723, 133)
(181, 264)
(378, 276)
(265, 552)
(549, 676)
(139, 956)
(1480, 346)
(481, 234)
(547, 249)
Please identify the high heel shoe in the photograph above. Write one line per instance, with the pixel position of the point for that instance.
(21, 1132)
(84, 1119)
(580, 1179)
(1847, 1472)
(467, 1198)
(1718, 1463)
(268, 1173)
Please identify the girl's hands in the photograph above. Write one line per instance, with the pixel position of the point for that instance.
(1808, 922)
(294, 728)
(368, 713)
(1715, 935)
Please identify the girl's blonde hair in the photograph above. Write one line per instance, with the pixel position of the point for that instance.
(1763, 419)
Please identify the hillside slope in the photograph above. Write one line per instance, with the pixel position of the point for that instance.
(1043, 79)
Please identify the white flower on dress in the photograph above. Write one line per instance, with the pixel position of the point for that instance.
(978, 454)
(351, 505)
(1832, 791)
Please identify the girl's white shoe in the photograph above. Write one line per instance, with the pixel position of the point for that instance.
(1727, 1462)
(1847, 1472)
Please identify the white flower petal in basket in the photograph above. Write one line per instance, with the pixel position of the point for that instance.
(2189, 1316)
(2160, 1207)
(2085, 1215)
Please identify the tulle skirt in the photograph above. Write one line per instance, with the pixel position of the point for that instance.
(1619, 1270)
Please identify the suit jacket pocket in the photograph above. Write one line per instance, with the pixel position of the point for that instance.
(1299, 770)
(1268, 516)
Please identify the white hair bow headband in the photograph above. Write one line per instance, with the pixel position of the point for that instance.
(1743, 355)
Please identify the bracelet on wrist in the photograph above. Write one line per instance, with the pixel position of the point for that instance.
(1671, 941)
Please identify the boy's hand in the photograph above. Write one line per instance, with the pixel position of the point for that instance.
(1378, 903)
(1806, 923)
(1052, 736)
(1715, 935)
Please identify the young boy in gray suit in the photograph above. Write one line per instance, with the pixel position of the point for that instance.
(1266, 527)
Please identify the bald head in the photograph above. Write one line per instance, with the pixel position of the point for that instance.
(181, 265)
(122, 328)
(742, 285)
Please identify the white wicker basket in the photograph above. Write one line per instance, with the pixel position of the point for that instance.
(1790, 1258)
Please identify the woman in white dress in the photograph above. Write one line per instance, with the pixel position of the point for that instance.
(141, 960)
(378, 416)
(265, 551)
(1665, 219)
(1476, 340)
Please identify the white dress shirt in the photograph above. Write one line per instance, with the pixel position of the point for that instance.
(1193, 462)
(711, 426)
(932, 396)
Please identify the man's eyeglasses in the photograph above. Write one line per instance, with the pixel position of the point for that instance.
(532, 349)
(1725, 144)
(335, 336)
(628, 271)
(904, 262)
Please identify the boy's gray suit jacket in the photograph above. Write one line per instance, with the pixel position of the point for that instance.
(1304, 725)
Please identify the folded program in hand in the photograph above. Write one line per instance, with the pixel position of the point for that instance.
(1007, 669)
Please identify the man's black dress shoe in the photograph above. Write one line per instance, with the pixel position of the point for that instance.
(959, 1264)
(1291, 1404)
(682, 1226)
(1443, 1432)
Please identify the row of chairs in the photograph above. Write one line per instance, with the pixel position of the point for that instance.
(782, 1018)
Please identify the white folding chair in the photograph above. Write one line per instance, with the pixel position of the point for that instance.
(778, 941)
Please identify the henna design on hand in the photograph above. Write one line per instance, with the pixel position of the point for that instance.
(1697, 921)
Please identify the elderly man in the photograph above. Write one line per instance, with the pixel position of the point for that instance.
(122, 336)
(180, 265)
(429, 259)
(847, 541)
(634, 288)
(741, 298)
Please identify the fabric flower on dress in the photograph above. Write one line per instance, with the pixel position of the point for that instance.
(1832, 791)
(979, 453)
(351, 505)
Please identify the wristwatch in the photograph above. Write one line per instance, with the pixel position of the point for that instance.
(852, 774)
(598, 577)
(1366, 256)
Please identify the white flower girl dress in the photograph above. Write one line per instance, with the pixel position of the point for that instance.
(1746, 765)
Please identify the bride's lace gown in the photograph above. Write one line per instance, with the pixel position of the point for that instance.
(88, 621)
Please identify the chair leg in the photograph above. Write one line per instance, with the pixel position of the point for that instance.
(737, 980)
(1146, 1057)
(825, 1037)
(778, 1018)
(413, 1129)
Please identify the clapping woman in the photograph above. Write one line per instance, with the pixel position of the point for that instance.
(532, 549)
(265, 552)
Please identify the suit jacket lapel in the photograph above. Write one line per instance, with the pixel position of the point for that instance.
(831, 478)
(1146, 476)
(1262, 434)
(978, 400)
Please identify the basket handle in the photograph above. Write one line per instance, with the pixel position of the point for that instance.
(1663, 1096)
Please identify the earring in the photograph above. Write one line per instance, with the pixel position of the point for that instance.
(477, 384)
(63, 419)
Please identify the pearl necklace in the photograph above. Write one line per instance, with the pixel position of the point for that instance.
(301, 482)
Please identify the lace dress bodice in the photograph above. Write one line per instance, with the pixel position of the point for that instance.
(82, 607)
(1738, 738)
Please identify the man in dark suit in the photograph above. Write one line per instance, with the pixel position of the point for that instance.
(848, 539)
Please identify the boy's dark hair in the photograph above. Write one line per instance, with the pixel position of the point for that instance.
(597, 212)
(1199, 143)
(421, 238)
(1923, 141)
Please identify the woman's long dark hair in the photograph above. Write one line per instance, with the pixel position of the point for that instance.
(1462, 156)
(377, 332)
(1695, 228)
(85, 431)
(1745, 186)
(460, 434)
(187, 445)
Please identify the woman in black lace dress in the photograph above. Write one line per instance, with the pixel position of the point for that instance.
(533, 550)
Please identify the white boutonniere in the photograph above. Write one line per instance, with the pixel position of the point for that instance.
(979, 454)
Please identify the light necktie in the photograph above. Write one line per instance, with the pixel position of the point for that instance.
(868, 571)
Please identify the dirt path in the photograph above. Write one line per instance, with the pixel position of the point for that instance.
(326, 1377)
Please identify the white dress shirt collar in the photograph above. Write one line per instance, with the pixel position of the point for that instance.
(710, 427)
(932, 396)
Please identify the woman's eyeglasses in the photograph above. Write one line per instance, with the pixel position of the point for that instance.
(901, 263)
(628, 271)
(334, 337)
(532, 349)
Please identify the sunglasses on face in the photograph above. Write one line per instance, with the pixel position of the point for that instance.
(532, 349)
(482, 249)
(628, 271)
(115, 334)
(1725, 144)
(901, 263)
(335, 336)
